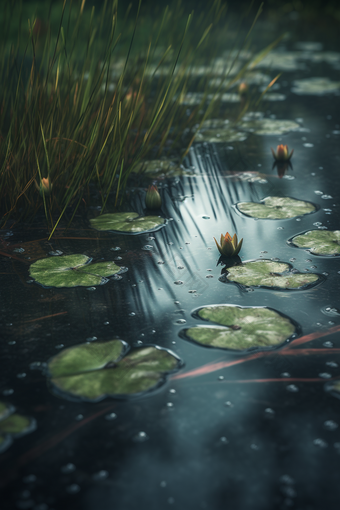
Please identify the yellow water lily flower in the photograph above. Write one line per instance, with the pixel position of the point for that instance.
(152, 198)
(282, 153)
(229, 247)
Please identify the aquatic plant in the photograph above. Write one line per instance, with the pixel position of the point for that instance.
(152, 198)
(282, 153)
(229, 246)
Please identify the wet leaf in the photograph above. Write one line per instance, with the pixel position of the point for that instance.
(241, 328)
(15, 424)
(71, 271)
(94, 371)
(161, 168)
(255, 123)
(275, 208)
(315, 86)
(128, 222)
(319, 242)
(267, 273)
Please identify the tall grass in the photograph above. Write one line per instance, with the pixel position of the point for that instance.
(93, 101)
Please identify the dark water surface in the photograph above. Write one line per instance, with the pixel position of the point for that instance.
(262, 433)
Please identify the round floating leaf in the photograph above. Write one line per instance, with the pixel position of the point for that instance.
(266, 273)
(71, 271)
(261, 126)
(247, 328)
(127, 222)
(315, 86)
(218, 131)
(15, 424)
(319, 242)
(94, 371)
(274, 208)
(161, 167)
(5, 410)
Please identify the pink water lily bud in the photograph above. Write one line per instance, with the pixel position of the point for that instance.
(243, 89)
(228, 246)
(282, 153)
(152, 198)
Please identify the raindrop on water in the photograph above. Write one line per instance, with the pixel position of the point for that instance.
(292, 388)
(325, 375)
(328, 344)
(110, 416)
(320, 443)
(332, 364)
(147, 247)
(330, 425)
(140, 437)
(178, 282)
(73, 488)
(68, 468)
(101, 475)
(181, 321)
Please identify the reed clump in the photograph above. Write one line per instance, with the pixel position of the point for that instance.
(83, 101)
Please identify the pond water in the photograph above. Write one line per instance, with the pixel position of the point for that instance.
(256, 429)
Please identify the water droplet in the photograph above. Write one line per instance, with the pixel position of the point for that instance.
(73, 488)
(209, 276)
(285, 374)
(140, 437)
(55, 253)
(254, 447)
(147, 247)
(59, 346)
(192, 291)
(19, 250)
(163, 484)
(106, 323)
(36, 365)
(161, 262)
(79, 417)
(116, 248)
(177, 303)
(181, 321)
(8, 392)
(325, 375)
(280, 228)
(151, 238)
(172, 391)
(326, 197)
(330, 425)
(317, 192)
(228, 404)
(332, 364)
(308, 144)
(224, 440)
(169, 405)
(180, 267)
(292, 388)
(132, 314)
(21, 376)
(29, 479)
(110, 416)
(178, 282)
(320, 443)
(91, 339)
(328, 344)
(68, 468)
(91, 288)
(12, 342)
(101, 475)
(206, 217)
(220, 378)
(269, 413)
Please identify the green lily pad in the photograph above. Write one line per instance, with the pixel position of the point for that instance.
(161, 168)
(270, 274)
(218, 131)
(71, 271)
(94, 371)
(13, 425)
(319, 242)
(127, 222)
(315, 86)
(241, 328)
(255, 123)
(274, 208)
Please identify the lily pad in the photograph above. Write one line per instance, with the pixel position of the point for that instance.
(161, 168)
(262, 126)
(315, 86)
(274, 208)
(240, 328)
(12, 425)
(71, 271)
(270, 274)
(94, 371)
(319, 242)
(127, 222)
(218, 131)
